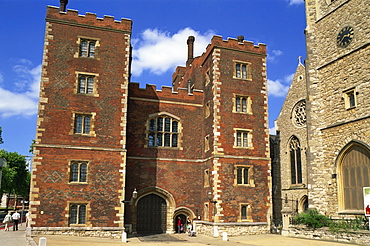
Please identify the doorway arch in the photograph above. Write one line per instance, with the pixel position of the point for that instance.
(164, 206)
(151, 214)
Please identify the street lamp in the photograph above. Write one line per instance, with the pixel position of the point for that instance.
(133, 197)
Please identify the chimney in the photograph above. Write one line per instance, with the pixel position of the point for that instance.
(63, 5)
(190, 43)
(240, 38)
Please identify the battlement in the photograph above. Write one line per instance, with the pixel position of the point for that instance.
(72, 17)
(236, 44)
(166, 93)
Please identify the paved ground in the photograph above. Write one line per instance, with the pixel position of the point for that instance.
(18, 238)
(14, 238)
(183, 239)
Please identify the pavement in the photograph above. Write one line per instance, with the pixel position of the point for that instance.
(18, 238)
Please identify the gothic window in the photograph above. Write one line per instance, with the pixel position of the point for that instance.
(87, 48)
(299, 114)
(242, 104)
(350, 98)
(242, 70)
(82, 124)
(295, 161)
(354, 168)
(163, 131)
(86, 84)
(78, 172)
(77, 214)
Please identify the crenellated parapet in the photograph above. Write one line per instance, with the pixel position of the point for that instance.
(89, 20)
(166, 93)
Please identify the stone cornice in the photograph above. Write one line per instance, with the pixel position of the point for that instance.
(59, 146)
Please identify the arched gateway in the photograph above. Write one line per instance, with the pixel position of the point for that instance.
(151, 214)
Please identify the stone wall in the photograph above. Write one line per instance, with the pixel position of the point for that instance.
(359, 237)
(232, 229)
(105, 232)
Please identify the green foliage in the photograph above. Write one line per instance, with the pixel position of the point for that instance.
(358, 223)
(31, 147)
(15, 176)
(312, 218)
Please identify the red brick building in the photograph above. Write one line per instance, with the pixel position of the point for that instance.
(198, 149)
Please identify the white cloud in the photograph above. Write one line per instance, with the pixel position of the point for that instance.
(158, 52)
(279, 87)
(293, 2)
(275, 53)
(23, 99)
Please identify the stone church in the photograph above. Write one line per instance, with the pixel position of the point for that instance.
(110, 155)
(324, 125)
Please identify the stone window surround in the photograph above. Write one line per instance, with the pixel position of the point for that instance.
(92, 123)
(248, 70)
(179, 130)
(206, 178)
(248, 101)
(87, 162)
(208, 75)
(77, 83)
(96, 51)
(299, 117)
(248, 208)
(250, 175)
(207, 109)
(206, 143)
(87, 216)
(250, 137)
(346, 97)
(206, 211)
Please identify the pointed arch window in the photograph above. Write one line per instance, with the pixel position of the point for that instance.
(295, 160)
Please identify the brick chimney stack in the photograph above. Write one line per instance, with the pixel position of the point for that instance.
(63, 5)
(190, 43)
(240, 38)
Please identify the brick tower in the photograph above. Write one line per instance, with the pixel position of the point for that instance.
(79, 163)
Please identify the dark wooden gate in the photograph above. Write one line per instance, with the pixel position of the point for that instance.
(151, 214)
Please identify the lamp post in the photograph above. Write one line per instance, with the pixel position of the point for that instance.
(211, 200)
(133, 197)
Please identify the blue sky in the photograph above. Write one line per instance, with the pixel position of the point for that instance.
(160, 29)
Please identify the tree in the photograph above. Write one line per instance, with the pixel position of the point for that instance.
(15, 178)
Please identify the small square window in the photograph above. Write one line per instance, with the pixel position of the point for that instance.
(86, 84)
(242, 175)
(242, 70)
(77, 214)
(78, 171)
(82, 124)
(242, 104)
(87, 48)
